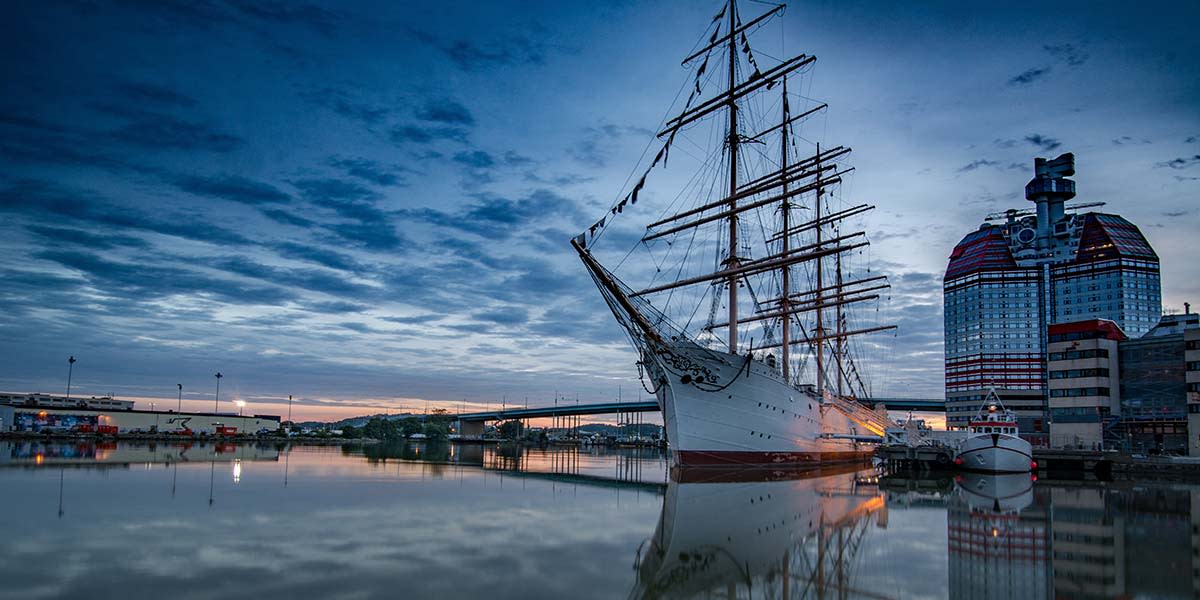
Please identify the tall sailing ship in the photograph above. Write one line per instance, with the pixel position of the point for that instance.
(762, 215)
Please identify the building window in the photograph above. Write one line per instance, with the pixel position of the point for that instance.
(1077, 354)
(1077, 373)
(1076, 392)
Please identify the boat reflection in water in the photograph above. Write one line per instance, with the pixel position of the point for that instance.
(790, 534)
(996, 538)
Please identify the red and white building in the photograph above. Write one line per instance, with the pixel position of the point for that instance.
(1008, 281)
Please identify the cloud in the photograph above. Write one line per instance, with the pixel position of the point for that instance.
(1064, 54)
(415, 319)
(143, 93)
(1175, 213)
(510, 315)
(562, 180)
(315, 17)
(445, 111)
(50, 201)
(1070, 54)
(369, 170)
(594, 148)
(975, 164)
(308, 279)
(335, 307)
(1126, 140)
(1192, 139)
(1046, 143)
(318, 255)
(513, 159)
(1180, 163)
(347, 198)
(402, 134)
(346, 104)
(374, 235)
(147, 282)
(59, 236)
(153, 131)
(497, 216)
(477, 159)
(1029, 76)
(30, 140)
(371, 227)
(477, 55)
(234, 188)
(287, 218)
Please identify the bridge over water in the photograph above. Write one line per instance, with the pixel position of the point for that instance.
(474, 421)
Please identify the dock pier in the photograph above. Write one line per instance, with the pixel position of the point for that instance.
(916, 458)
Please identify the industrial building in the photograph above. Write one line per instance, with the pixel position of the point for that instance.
(1023, 271)
(38, 419)
(1110, 391)
(49, 401)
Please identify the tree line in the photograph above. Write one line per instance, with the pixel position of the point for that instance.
(436, 426)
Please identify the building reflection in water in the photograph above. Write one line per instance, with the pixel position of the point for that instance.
(793, 535)
(85, 453)
(1010, 536)
(1125, 538)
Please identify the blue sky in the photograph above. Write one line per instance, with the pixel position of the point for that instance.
(368, 205)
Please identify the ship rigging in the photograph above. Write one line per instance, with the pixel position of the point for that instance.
(770, 223)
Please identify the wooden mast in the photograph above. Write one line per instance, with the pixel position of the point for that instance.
(785, 283)
(819, 330)
(733, 147)
(840, 341)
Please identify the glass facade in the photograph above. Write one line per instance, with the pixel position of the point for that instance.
(1153, 383)
(1006, 283)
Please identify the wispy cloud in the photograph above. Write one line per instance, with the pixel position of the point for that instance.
(346, 104)
(404, 134)
(1029, 76)
(370, 171)
(975, 164)
(1070, 54)
(1180, 163)
(1044, 142)
(445, 111)
(474, 55)
(318, 18)
(234, 188)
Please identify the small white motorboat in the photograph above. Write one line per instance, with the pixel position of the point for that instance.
(993, 443)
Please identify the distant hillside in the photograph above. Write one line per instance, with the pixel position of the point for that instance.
(352, 421)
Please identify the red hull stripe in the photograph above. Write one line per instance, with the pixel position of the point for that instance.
(701, 458)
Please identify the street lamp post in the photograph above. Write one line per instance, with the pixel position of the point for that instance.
(70, 371)
(180, 407)
(240, 404)
(217, 399)
(289, 408)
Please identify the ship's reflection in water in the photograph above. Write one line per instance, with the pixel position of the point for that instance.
(769, 535)
(442, 520)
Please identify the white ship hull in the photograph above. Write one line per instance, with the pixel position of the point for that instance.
(722, 409)
(995, 453)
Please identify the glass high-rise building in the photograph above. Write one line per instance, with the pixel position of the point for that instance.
(1016, 275)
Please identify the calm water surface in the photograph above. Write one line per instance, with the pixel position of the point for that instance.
(426, 521)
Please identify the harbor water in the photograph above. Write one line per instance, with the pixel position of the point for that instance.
(122, 520)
